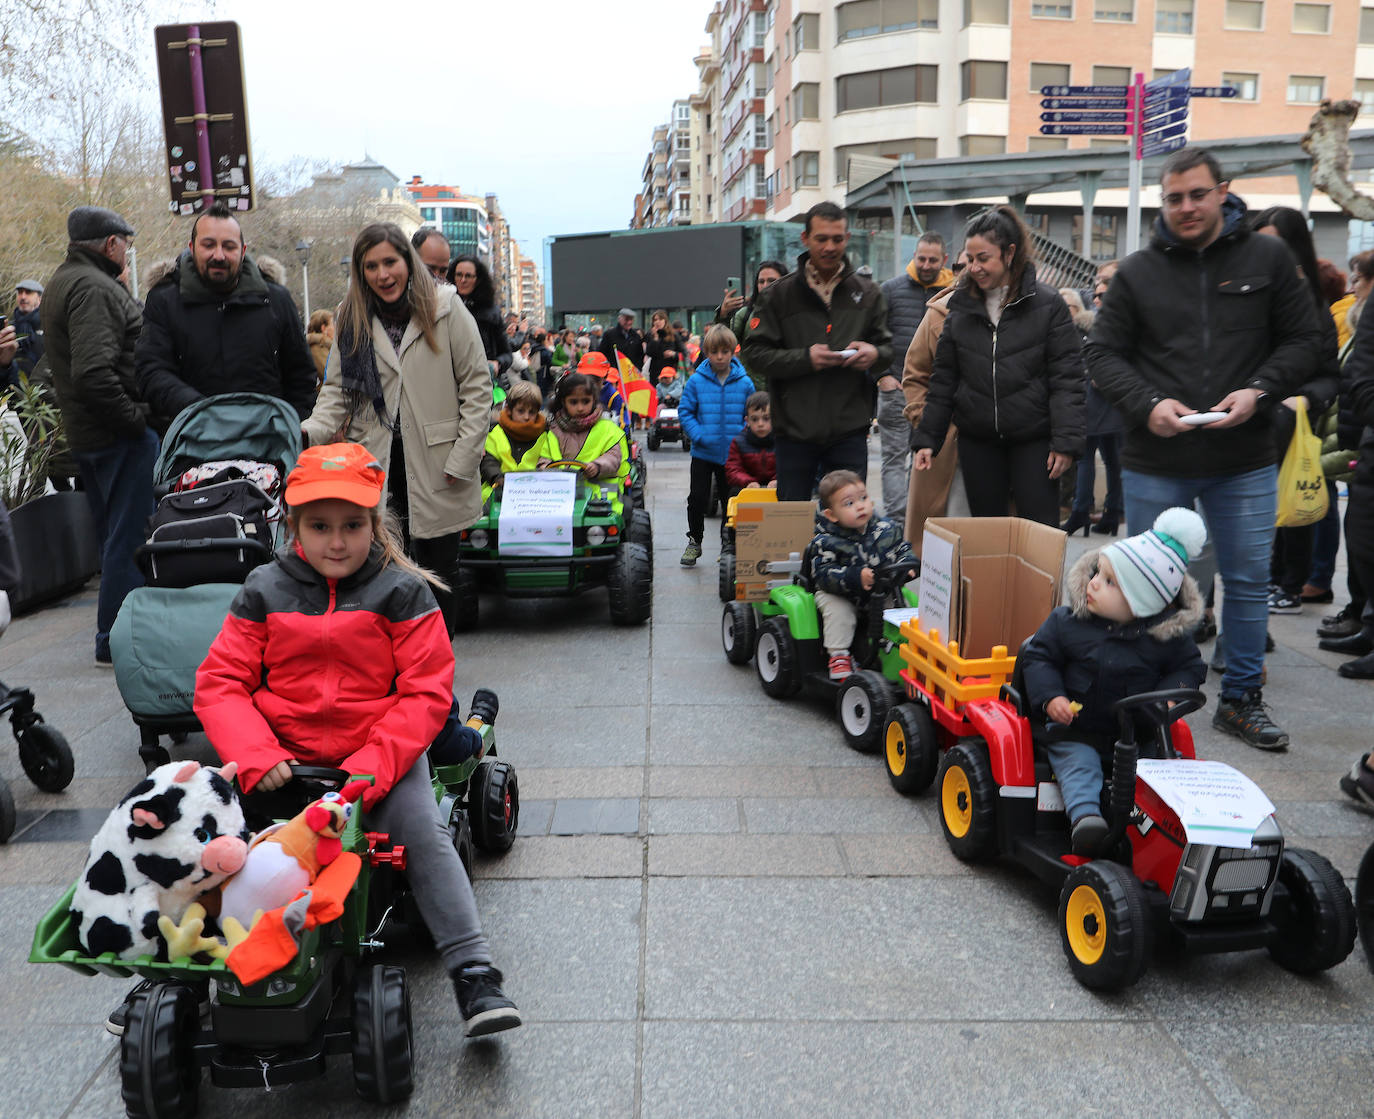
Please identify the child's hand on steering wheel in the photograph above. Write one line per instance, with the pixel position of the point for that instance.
(275, 777)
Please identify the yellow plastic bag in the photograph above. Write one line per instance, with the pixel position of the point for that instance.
(1302, 487)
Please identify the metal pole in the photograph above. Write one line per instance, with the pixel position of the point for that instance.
(305, 283)
(132, 262)
(1133, 202)
(202, 122)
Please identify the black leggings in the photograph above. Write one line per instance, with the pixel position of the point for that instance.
(996, 472)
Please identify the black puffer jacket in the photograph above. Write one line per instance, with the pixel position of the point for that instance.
(90, 325)
(906, 307)
(817, 405)
(197, 342)
(1195, 326)
(495, 342)
(1095, 662)
(1358, 392)
(1014, 382)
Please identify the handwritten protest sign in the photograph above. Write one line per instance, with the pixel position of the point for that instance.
(1215, 803)
(537, 513)
(937, 585)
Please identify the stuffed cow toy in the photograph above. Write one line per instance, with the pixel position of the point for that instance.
(177, 834)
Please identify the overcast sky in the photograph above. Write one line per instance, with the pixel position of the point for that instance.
(550, 105)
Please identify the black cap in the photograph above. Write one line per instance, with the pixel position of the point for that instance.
(95, 223)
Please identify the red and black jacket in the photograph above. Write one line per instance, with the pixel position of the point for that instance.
(355, 673)
(750, 460)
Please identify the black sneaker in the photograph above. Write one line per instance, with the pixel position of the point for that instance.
(691, 553)
(1088, 833)
(1358, 784)
(1281, 602)
(484, 706)
(1246, 717)
(119, 1016)
(482, 1003)
(1345, 622)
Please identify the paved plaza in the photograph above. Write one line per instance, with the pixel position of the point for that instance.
(715, 908)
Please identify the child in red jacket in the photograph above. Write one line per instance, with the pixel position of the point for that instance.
(336, 654)
(751, 463)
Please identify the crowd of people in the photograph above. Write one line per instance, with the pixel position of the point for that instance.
(1185, 367)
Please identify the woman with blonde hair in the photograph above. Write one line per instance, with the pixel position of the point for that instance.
(412, 386)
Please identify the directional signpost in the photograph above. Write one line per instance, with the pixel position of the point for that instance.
(1153, 114)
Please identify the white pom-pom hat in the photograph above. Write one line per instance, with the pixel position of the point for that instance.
(1150, 568)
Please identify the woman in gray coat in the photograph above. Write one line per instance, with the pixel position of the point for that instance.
(412, 387)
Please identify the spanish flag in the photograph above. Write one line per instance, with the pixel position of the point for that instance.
(639, 395)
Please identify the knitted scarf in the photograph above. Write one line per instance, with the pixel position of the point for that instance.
(522, 432)
(358, 374)
(564, 422)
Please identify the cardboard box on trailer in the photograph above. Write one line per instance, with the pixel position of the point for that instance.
(765, 535)
(988, 581)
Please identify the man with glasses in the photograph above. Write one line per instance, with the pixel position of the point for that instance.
(1209, 318)
(434, 252)
(91, 324)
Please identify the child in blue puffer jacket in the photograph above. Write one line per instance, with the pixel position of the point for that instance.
(711, 410)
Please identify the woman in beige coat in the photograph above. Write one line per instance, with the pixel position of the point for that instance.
(413, 387)
(928, 495)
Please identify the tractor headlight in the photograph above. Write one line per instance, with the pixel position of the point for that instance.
(478, 538)
(596, 535)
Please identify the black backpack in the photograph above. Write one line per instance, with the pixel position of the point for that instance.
(214, 533)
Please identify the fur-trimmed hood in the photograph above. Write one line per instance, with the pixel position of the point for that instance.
(1178, 618)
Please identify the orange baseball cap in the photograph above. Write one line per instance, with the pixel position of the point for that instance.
(594, 363)
(346, 471)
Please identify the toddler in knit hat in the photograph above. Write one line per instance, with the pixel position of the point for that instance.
(1126, 628)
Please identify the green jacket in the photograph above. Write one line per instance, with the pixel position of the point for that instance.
(810, 405)
(91, 324)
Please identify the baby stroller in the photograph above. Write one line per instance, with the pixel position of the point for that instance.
(163, 631)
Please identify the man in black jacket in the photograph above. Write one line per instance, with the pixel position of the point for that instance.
(625, 338)
(819, 338)
(215, 325)
(90, 325)
(1209, 318)
(28, 333)
(906, 296)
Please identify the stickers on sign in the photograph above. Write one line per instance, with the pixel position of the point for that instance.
(176, 153)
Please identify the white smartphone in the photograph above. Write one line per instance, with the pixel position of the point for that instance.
(1199, 418)
(847, 353)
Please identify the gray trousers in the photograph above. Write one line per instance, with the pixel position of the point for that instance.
(894, 442)
(442, 891)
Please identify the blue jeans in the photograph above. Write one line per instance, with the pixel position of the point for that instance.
(1110, 447)
(802, 465)
(1078, 768)
(119, 487)
(1239, 510)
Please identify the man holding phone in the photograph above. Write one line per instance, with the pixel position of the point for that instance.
(820, 340)
(27, 331)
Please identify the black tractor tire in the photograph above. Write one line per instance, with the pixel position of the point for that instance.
(8, 816)
(1317, 929)
(46, 757)
(631, 585)
(460, 834)
(1105, 926)
(158, 1071)
(725, 577)
(968, 801)
(776, 660)
(466, 607)
(653, 439)
(494, 805)
(686, 443)
(1364, 904)
(639, 529)
(862, 706)
(381, 1039)
(911, 748)
(737, 632)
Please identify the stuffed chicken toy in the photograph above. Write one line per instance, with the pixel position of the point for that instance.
(176, 835)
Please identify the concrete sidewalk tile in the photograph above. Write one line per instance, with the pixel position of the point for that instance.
(693, 816)
(733, 780)
(833, 816)
(719, 679)
(769, 732)
(678, 642)
(1310, 819)
(51, 864)
(569, 949)
(535, 817)
(859, 948)
(1256, 1068)
(556, 783)
(900, 856)
(576, 737)
(959, 1069)
(855, 781)
(47, 1066)
(565, 856)
(754, 856)
(595, 816)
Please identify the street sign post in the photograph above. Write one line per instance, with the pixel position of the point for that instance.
(204, 116)
(1086, 118)
(1120, 103)
(1122, 129)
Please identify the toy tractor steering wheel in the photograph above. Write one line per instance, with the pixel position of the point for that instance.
(1154, 708)
(891, 576)
(564, 464)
